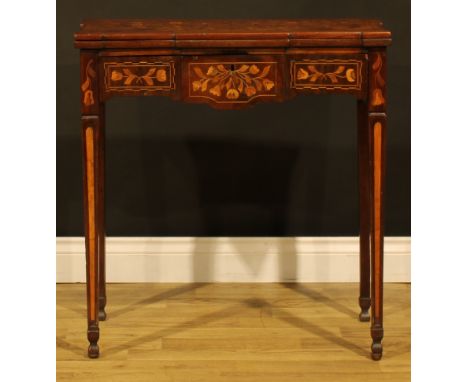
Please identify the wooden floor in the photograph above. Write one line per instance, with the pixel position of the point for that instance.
(232, 332)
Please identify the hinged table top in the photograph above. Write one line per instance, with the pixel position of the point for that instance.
(129, 33)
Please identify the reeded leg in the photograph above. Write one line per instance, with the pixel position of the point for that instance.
(101, 215)
(92, 128)
(364, 211)
(377, 126)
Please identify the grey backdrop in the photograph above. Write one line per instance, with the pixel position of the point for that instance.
(276, 169)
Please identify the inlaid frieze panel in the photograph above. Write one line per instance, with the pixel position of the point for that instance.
(326, 74)
(140, 76)
(232, 82)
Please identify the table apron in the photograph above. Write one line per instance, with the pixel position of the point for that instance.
(234, 80)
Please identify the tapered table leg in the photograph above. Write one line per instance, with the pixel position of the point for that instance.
(92, 125)
(377, 120)
(364, 211)
(90, 145)
(101, 230)
(378, 164)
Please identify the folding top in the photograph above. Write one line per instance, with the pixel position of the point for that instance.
(128, 33)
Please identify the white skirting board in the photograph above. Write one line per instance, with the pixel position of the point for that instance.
(231, 259)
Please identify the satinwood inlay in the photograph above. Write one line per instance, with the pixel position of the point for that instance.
(89, 137)
(377, 205)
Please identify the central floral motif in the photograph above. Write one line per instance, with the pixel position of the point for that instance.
(231, 82)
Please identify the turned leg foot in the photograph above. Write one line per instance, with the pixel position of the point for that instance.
(377, 335)
(364, 303)
(376, 351)
(93, 351)
(364, 316)
(93, 337)
(102, 312)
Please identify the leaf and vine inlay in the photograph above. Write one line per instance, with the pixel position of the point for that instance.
(315, 75)
(233, 81)
(342, 74)
(88, 96)
(138, 76)
(130, 78)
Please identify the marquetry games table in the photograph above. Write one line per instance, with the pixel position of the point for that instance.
(232, 64)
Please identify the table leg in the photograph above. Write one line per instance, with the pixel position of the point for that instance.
(378, 166)
(364, 211)
(90, 136)
(92, 126)
(101, 229)
(377, 118)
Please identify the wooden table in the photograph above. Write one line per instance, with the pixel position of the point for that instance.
(232, 64)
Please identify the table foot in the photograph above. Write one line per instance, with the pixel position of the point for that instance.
(376, 350)
(364, 303)
(93, 351)
(364, 316)
(377, 335)
(102, 315)
(93, 337)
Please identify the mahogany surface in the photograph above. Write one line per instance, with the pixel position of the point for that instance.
(233, 64)
(186, 33)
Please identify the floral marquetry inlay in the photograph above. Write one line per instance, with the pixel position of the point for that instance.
(139, 76)
(86, 88)
(326, 74)
(232, 82)
(130, 78)
(377, 98)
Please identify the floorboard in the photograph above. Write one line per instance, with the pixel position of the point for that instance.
(232, 332)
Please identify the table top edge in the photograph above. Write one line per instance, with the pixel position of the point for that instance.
(224, 30)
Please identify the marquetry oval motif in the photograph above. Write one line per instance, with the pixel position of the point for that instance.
(136, 76)
(326, 74)
(233, 82)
